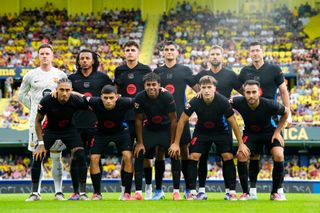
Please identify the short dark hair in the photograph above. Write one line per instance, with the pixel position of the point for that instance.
(255, 43)
(207, 79)
(94, 57)
(107, 89)
(45, 46)
(130, 44)
(167, 43)
(251, 82)
(151, 77)
(64, 80)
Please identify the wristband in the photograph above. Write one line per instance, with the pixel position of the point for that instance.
(40, 143)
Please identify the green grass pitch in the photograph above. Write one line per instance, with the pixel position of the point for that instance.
(296, 203)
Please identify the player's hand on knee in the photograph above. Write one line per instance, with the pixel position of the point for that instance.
(244, 150)
(174, 151)
(139, 147)
(39, 152)
(277, 136)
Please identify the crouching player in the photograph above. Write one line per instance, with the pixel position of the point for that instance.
(58, 126)
(213, 111)
(258, 132)
(110, 110)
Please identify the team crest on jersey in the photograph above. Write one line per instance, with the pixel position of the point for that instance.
(131, 76)
(169, 76)
(136, 105)
(86, 84)
(55, 80)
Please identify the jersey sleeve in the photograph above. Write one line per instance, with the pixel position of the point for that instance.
(241, 76)
(106, 79)
(80, 102)
(197, 77)
(236, 85)
(138, 104)
(128, 102)
(170, 103)
(227, 108)
(274, 107)
(42, 106)
(279, 78)
(189, 77)
(190, 107)
(24, 96)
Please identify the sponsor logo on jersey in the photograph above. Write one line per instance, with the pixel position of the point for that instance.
(157, 119)
(208, 124)
(255, 128)
(131, 89)
(170, 88)
(63, 123)
(109, 124)
(88, 94)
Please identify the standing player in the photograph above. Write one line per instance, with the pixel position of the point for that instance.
(88, 81)
(36, 84)
(259, 132)
(175, 77)
(59, 126)
(227, 80)
(159, 128)
(128, 79)
(110, 110)
(213, 111)
(270, 78)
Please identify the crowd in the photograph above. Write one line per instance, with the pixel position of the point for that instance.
(104, 33)
(18, 167)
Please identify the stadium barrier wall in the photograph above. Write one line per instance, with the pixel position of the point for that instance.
(24, 186)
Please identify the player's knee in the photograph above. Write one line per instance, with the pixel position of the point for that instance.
(255, 157)
(147, 163)
(194, 156)
(277, 154)
(127, 156)
(184, 151)
(78, 153)
(227, 156)
(241, 157)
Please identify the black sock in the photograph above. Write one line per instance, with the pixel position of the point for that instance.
(138, 174)
(74, 172)
(96, 182)
(229, 174)
(254, 169)
(127, 180)
(243, 176)
(159, 171)
(79, 169)
(184, 169)
(203, 170)
(192, 174)
(277, 175)
(121, 176)
(176, 172)
(281, 182)
(148, 175)
(35, 174)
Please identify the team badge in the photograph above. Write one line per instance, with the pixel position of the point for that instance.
(86, 84)
(169, 76)
(131, 76)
